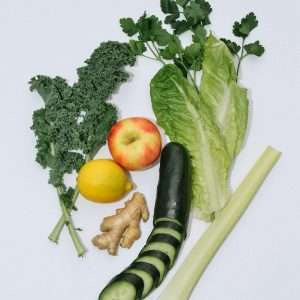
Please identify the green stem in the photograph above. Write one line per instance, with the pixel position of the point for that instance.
(158, 54)
(72, 231)
(55, 233)
(189, 75)
(182, 284)
(155, 52)
(80, 249)
(241, 57)
(149, 57)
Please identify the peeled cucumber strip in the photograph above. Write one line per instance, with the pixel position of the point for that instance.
(169, 224)
(156, 262)
(147, 279)
(169, 231)
(167, 219)
(163, 247)
(123, 287)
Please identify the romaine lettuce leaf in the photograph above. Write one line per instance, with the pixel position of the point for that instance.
(220, 91)
(188, 120)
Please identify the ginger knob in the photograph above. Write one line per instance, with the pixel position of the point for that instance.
(123, 228)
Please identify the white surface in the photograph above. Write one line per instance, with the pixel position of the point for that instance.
(259, 261)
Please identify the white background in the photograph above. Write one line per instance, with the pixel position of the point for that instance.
(259, 261)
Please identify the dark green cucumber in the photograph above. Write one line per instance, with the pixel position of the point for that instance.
(170, 223)
(174, 186)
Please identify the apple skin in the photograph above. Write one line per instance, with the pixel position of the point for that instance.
(135, 143)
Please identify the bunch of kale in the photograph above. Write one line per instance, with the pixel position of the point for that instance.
(75, 120)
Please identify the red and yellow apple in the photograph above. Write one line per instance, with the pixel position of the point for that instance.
(135, 143)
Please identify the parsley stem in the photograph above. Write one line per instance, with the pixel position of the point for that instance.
(149, 57)
(241, 57)
(156, 55)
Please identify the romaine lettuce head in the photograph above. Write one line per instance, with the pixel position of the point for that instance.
(189, 120)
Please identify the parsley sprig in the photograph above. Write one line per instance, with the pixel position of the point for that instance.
(152, 40)
(165, 45)
(242, 30)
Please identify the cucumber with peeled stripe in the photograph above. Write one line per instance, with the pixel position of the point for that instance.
(170, 222)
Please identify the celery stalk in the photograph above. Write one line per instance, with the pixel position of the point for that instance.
(182, 284)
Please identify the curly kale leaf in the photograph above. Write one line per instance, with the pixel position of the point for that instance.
(75, 120)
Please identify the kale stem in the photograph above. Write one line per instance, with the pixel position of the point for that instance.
(69, 222)
(55, 233)
(66, 218)
(72, 231)
(241, 57)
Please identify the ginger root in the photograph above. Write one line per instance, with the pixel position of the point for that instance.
(124, 227)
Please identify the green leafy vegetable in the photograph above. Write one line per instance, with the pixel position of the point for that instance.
(242, 29)
(221, 103)
(137, 47)
(182, 16)
(182, 3)
(245, 26)
(255, 49)
(232, 46)
(75, 120)
(169, 7)
(226, 99)
(187, 120)
(129, 27)
(197, 12)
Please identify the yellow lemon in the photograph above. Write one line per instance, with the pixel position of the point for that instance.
(103, 180)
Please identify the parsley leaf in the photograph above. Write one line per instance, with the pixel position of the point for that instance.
(169, 7)
(232, 46)
(150, 28)
(193, 55)
(255, 48)
(174, 47)
(137, 47)
(171, 19)
(197, 12)
(245, 26)
(128, 26)
(199, 35)
(182, 3)
(180, 27)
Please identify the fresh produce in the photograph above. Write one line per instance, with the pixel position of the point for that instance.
(124, 227)
(194, 265)
(170, 224)
(200, 104)
(74, 122)
(209, 117)
(134, 143)
(103, 180)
